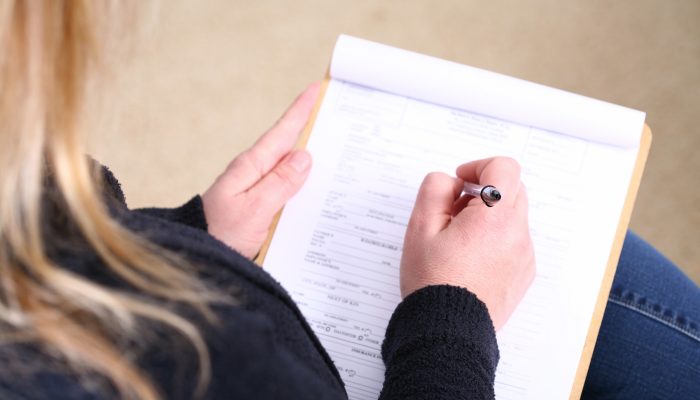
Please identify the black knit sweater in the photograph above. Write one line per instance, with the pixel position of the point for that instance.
(440, 342)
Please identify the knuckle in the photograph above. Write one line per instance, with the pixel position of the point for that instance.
(432, 179)
(416, 223)
(285, 180)
(236, 163)
(510, 164)
(419, 223)
(248, 160)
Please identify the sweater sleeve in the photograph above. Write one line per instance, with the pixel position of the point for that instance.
(440, 344)
(190, 213)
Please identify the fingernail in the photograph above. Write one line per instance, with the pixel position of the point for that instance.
(300, 161)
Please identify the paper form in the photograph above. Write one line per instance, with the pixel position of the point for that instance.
(337, 247)
(460, 86)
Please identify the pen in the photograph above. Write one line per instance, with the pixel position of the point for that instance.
(489, 194)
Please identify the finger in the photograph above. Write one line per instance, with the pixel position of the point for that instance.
(501, 172)
(462, 201)
(282, 137)
(273, 191)
(433, 209)
(276, 143)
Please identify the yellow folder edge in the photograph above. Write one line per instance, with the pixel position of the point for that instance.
(615, 250)
(301, 143)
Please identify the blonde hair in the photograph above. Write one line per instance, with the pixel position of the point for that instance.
(50, 51)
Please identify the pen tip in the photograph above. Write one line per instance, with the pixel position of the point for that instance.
(496, 194)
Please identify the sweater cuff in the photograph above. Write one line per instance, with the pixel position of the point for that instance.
(438, 314)
(190, 213)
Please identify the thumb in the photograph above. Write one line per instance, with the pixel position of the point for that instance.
(282, 182)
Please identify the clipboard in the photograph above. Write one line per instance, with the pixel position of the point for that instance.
(616, 248)
(606, 284)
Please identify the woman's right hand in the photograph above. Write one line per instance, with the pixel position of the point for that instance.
(460, 241)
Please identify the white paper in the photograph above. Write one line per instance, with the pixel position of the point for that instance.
(483, 92)
(338, 244)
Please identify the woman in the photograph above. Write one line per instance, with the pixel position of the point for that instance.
(99, 301)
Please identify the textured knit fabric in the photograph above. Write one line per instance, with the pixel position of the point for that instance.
(440, 341)
(437, 347)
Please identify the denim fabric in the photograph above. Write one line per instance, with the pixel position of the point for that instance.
(649, 342)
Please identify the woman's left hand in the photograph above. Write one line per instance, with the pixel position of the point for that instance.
(244, 199)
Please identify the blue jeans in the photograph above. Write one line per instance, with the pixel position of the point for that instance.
(649, 342)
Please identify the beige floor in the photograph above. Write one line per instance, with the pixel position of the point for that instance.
(212, 75)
